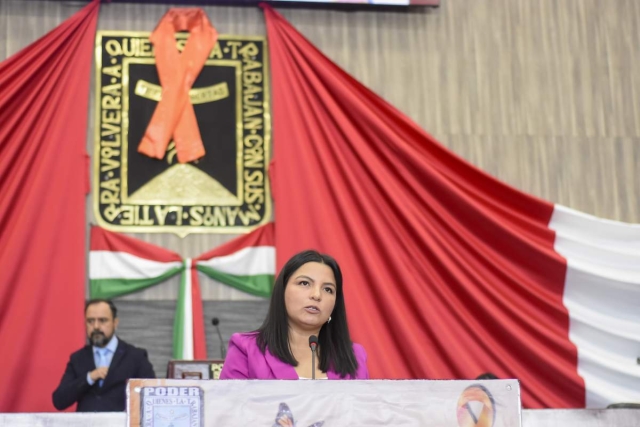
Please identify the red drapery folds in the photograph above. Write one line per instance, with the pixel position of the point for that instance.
(44, 94)
(448, 272)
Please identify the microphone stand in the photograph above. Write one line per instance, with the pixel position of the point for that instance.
(313, 344)
(215, 322)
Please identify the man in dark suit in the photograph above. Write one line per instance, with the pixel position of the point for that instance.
(96, 375)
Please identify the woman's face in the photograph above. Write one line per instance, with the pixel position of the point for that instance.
(310, 296)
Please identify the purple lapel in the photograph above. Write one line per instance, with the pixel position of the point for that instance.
(279, 369)
(284, 371)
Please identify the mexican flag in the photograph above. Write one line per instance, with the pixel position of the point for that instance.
(448, 272)
(246, 263)
(120, 265)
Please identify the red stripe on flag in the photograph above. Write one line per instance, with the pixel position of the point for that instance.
(104, 240)
(199, 340)
(261, 236)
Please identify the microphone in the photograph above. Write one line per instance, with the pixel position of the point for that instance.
(215, 322)
(313, 344)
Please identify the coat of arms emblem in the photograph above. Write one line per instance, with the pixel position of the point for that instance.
(207, 172)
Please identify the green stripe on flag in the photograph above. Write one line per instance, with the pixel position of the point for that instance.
(112, 288)
(260, 284)
(183, 322)
(178, 321)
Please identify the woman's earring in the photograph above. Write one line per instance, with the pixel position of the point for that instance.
(329, 319)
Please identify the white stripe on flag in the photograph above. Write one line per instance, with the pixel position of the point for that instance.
(122, 265)
(602, 296)
(599, 232)
(187, 348)
(249, 261)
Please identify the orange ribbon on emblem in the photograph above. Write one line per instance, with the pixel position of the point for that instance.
(174, 114)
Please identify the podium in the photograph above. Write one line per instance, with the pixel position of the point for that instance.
(194, 369)
(331, 403)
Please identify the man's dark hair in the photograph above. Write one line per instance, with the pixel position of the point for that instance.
(336, 348)
(112, 306)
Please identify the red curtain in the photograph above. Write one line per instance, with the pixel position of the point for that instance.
(449, 273)
(44, 94)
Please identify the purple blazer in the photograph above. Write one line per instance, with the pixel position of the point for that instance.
(245, 361)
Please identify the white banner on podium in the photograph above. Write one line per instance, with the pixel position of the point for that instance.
(327, 403)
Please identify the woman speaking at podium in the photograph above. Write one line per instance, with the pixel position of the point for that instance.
(305, 334)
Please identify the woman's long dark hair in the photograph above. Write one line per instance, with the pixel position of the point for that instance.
(336, 349)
